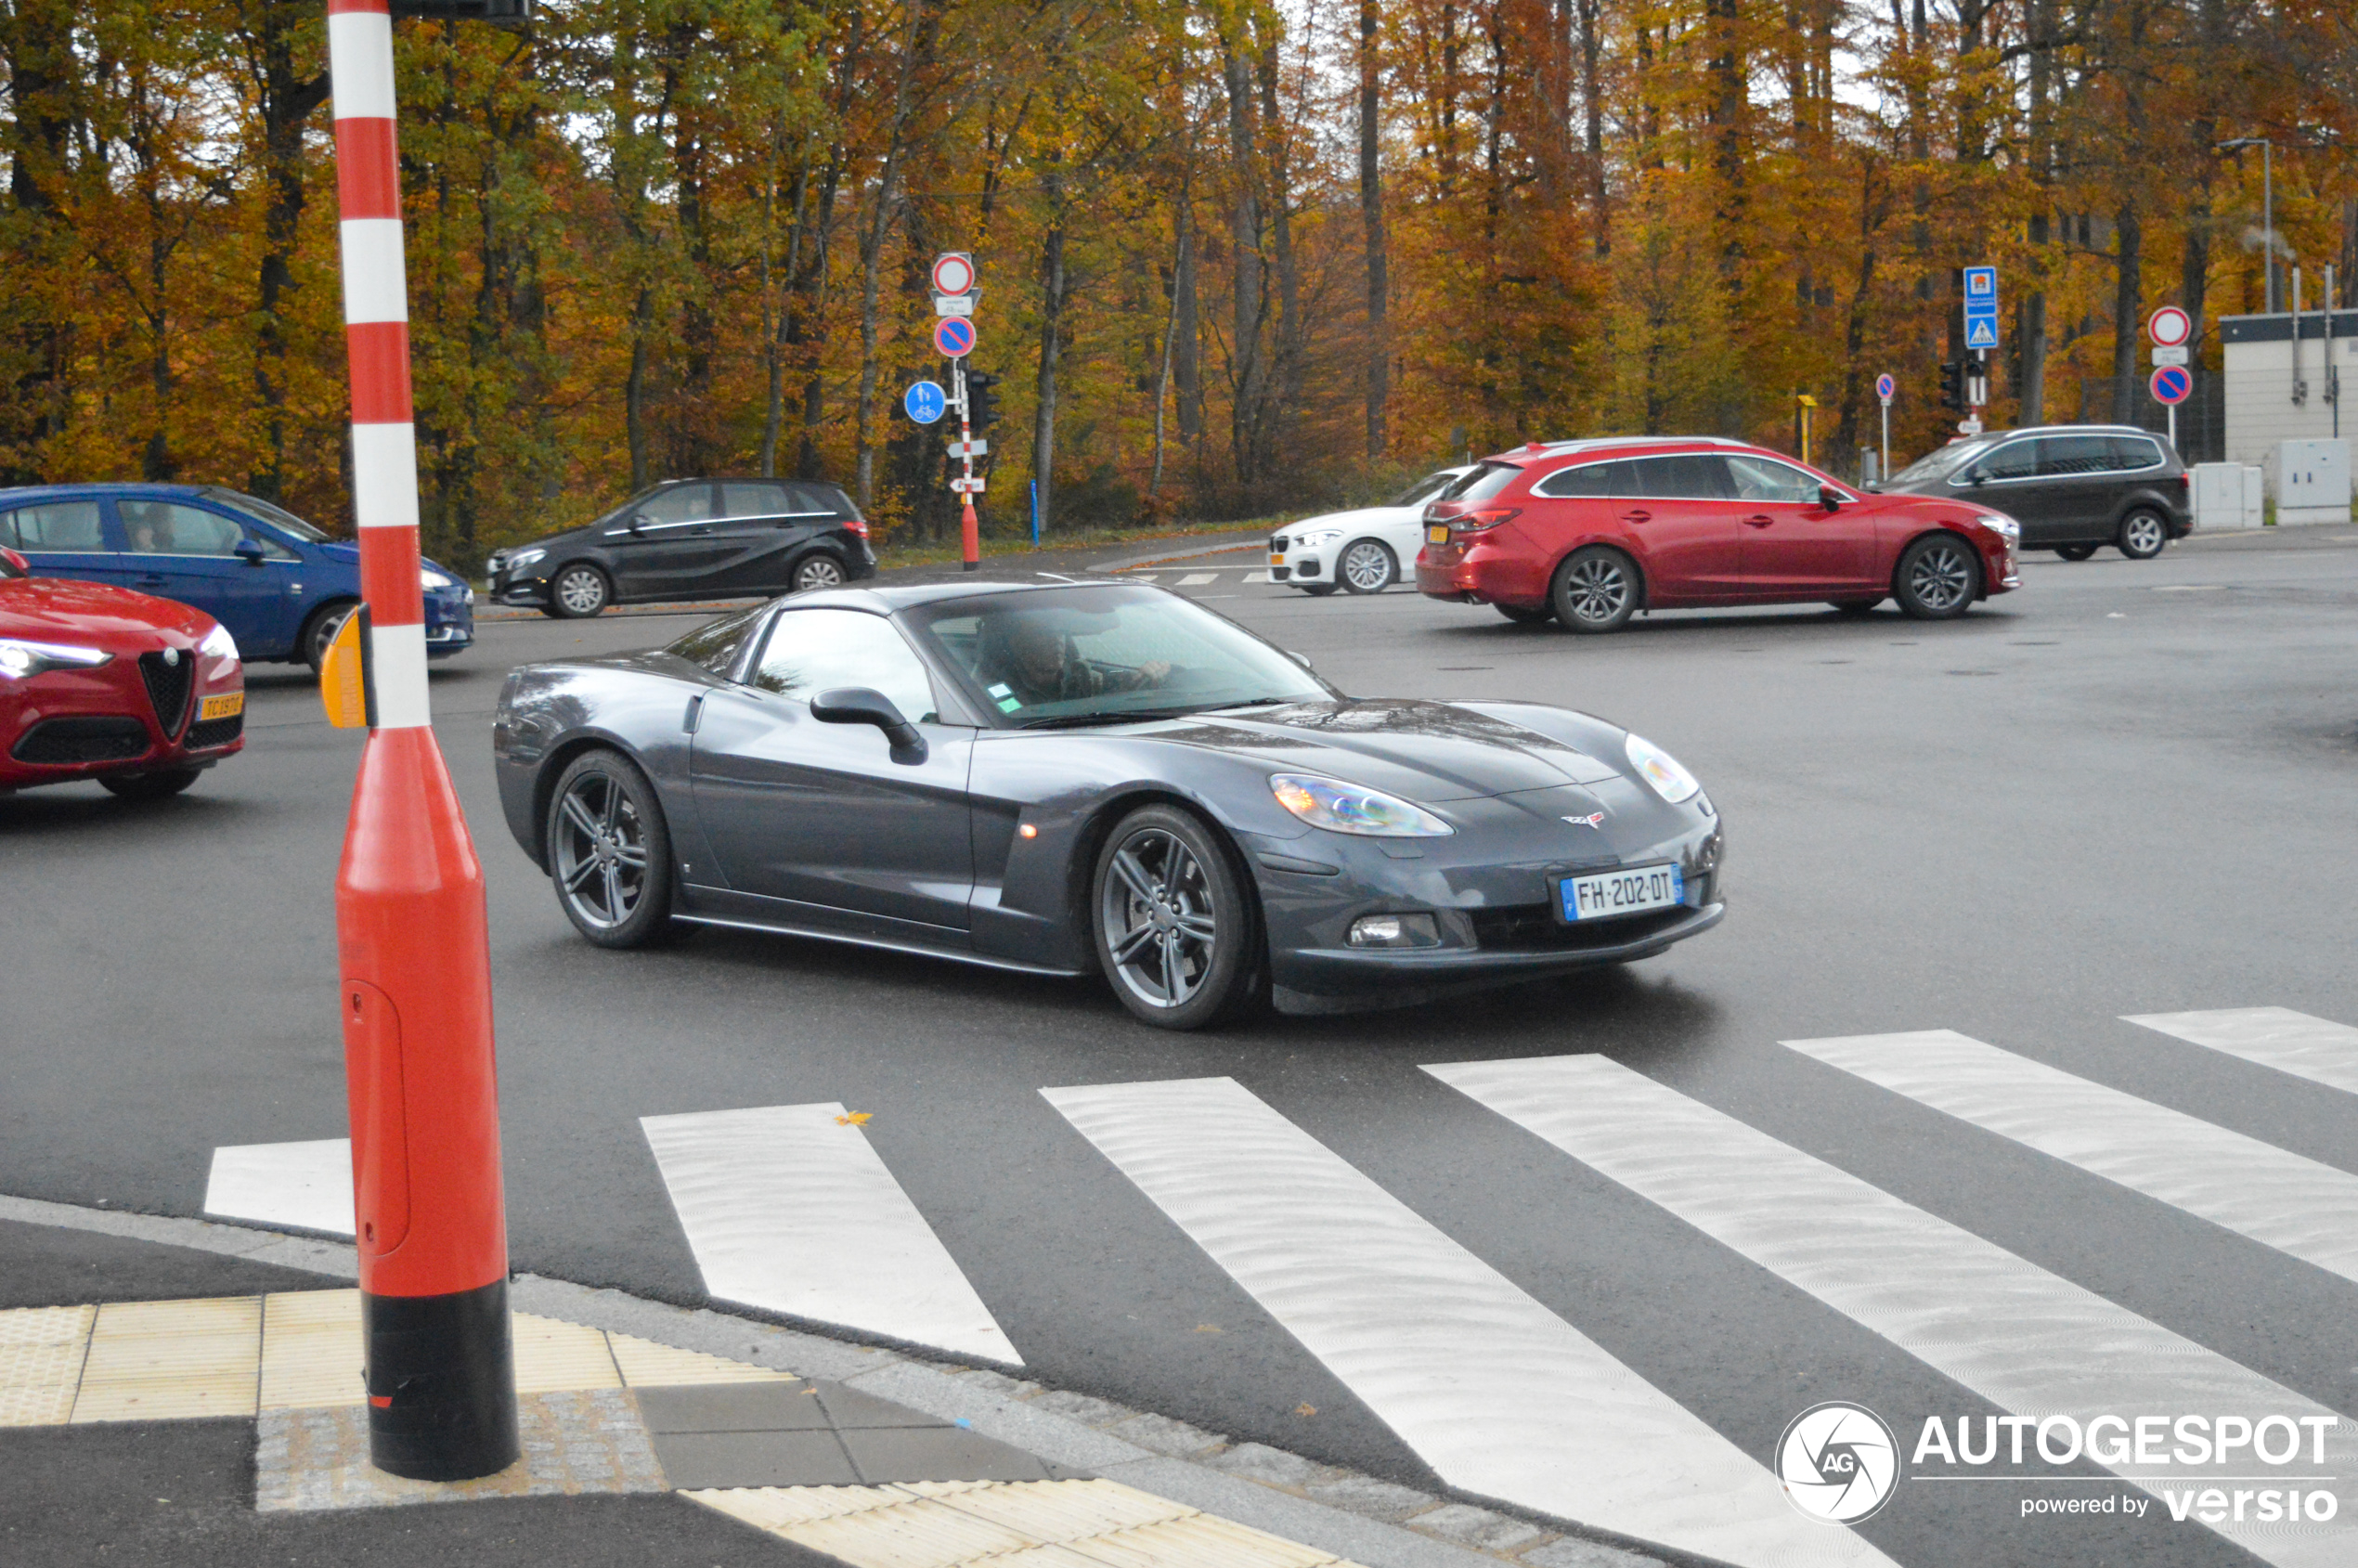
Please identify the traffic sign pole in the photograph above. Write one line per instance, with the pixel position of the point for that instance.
(412, 937)
(969, 526)
(1885, 385)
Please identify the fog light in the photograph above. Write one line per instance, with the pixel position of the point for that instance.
(1394, 930)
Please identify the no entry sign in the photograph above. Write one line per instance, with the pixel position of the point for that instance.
(2171, 384)
(2168, 327)
(955, 336)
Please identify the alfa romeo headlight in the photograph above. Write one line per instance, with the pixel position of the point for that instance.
(219, 643)
(21, 660)
(2006, 525)
(1660, 770)
(1348, 808)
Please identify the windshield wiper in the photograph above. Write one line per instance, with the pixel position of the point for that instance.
(1126, 716)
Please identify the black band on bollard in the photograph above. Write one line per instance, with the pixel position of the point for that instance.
(442, 1384)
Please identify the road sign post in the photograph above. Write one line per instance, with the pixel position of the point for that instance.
(412, 941)
(1885, 385)
(2170, 386)
(1981, 338)
(954, 338)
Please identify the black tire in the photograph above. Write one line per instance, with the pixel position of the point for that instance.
(1526, 614)
(1366, 567)
(817, 570)
(150, 786)
(1939, 578)
(2075, 552)
(609, 851)
(318, 631)
(1176, 926)
(578, 590)
(1595, 590)
(2143, 533)
(1856, 606)
(1316, 591)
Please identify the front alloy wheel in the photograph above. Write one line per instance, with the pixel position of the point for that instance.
(579, 592)
(2142, 535)
(1596, 589)
(609, 853)
(1367, 567)
(820, 570)
(1174, 932)
(1938, 578)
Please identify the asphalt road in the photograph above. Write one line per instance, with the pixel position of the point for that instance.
(2126, 789)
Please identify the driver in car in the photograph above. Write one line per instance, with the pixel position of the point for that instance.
(1037, 664)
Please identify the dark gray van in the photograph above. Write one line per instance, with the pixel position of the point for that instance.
(2073, 487)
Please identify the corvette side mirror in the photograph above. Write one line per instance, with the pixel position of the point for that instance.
(248, 552)
(860, 704)
(1830, 497)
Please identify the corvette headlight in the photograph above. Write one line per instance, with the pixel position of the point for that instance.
(1347, 807)
(219, 643)
(525, 558)
(2006, 525)
(21, 660)
(1660, 770)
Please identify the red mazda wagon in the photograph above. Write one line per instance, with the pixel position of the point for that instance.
(1592, 532)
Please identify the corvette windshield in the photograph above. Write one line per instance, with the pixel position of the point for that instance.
(1102, 654)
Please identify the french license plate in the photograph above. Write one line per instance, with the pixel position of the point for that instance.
(1436, 532)
(227, 705)
(1610, 893)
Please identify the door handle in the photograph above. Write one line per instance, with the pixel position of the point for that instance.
(1758, 521)
(1638, 516)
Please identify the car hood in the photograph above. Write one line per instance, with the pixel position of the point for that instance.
(97, 615)
(1362, 517)
(1426, 751)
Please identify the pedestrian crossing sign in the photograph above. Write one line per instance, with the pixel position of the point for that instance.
(1981, 331)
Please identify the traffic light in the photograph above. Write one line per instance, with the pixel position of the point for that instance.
(1952, 384)
(982, 404)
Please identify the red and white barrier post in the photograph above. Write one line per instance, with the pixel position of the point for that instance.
(411, 927)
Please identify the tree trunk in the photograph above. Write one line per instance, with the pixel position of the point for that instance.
(1186, 363)
(283, 102)
(1292, 335)
(1371, 223)
(923, 20)
(2126, 315)
(1248, 304)
(1052, 299)
(1593, 111)
(634, 389)
(42, 74)
(2030, 378)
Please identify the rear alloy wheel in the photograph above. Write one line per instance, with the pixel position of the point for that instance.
(1596, 589)
(2075, 552)
(1367, 567)
(578, 591)
(2142, 535)
(150, 786)
(1177, 934)
(609, 851)
(1526, 614)
(1938, 579)
(818, 570)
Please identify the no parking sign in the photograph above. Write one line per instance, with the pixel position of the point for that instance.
(2171, 384)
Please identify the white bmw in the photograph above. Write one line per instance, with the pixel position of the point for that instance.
(1362, 552)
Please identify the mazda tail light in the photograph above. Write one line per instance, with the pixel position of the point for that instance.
(1483, 518)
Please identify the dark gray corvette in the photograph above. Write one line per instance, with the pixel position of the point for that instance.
(1063, 776)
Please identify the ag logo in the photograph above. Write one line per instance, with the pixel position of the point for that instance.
(1838, 1462)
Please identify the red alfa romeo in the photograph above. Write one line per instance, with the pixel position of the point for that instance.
(100, 683)
(1591, 532)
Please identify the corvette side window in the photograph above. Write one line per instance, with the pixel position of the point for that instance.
(813, 651)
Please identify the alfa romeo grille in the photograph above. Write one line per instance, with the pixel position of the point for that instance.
(169, 685)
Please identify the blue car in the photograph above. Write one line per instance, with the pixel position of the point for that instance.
(278, 584)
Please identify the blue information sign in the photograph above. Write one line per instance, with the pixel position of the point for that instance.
(1981, 331)
(1981, 287)
(925, 401)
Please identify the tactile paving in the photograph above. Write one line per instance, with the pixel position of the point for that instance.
(40, 1353)
(172, 1360)
(312, 1352)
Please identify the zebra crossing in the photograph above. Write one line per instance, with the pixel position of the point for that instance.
(1202, 576)
(790, 1209)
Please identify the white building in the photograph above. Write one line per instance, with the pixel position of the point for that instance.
(2275, 395)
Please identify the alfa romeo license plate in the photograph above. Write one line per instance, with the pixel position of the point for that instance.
(1621, 892)
(227, 705)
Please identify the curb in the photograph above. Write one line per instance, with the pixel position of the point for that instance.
(1367, 1521)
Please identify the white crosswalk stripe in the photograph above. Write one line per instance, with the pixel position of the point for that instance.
(789, 1209)
(1196, 579)
(2020, 1337)
(2256, 1189)
(2277, 1037)
(1500, 1396)
(305, 1185)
